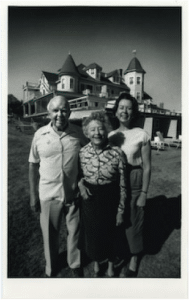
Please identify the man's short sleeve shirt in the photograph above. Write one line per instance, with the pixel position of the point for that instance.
(58, 162)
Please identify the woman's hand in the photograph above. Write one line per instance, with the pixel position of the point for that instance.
(84, 191)
(141, 202)
(119, 219)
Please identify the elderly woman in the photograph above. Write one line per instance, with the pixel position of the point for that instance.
(103, 192)
(136, 146)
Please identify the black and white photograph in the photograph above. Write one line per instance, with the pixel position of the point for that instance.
(95, 148)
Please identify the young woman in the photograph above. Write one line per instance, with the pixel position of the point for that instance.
(136, 145)
(103, 191)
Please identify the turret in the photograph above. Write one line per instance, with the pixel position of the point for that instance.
(68, 76)
(134, 78)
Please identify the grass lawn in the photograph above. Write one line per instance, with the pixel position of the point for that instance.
(162, 223)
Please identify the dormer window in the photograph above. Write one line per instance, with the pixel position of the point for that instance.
(138, 80)
(92, 71)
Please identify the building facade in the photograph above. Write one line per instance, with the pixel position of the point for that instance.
(90, 82)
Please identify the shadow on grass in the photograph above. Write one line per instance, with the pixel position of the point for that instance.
(26, 257)
(162, 216)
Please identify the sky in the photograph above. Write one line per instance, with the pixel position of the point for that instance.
(40, 38)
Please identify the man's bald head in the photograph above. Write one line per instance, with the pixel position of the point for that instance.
(58, 99)
(59, 112)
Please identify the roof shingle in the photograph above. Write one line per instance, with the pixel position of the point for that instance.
(93, 66)
(51, 77)
(69, 67)
(112, 73)
(146, 96)
(134, 65)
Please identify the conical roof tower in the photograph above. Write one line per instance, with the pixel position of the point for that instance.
(134, 66)
(69, 67)
(134, 78)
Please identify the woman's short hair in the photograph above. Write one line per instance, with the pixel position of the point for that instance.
(100, 116)
(127, 97)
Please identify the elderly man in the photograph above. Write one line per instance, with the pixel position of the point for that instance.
(54, 153)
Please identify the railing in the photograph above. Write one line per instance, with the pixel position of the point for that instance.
(160, 112)
(79, 103)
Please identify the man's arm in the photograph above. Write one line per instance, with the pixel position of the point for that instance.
(33, 182)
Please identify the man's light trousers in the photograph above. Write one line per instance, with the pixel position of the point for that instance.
(50, 219)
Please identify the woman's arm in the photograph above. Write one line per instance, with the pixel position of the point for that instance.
(146, 159)
(123, 191)
(84, 191)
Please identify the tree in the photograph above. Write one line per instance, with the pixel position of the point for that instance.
(14, 105)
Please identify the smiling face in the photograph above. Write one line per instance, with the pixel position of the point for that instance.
(124, 112)
(59, 112)
(97, 133)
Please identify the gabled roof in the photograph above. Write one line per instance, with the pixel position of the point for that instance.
(69, 67)
(84, 74)
(146, 96)
(81, 66)
(134, 66)
(112, 73)
(105, 80)
(81, 70)
(51, 77)
(93, 66)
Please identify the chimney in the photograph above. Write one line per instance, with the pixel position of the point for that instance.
(120, 72)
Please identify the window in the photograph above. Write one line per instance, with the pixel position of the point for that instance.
(138, 80)
(71, 83)
(112, 92)
(131, 80)
(26, 109)
(89, 87)
(92, 71)
(157, 123)
(25, 94)
(63, 83)
(82, 87)
(32, 108)
(138, 96)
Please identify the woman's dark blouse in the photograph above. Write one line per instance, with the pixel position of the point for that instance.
(100, 167)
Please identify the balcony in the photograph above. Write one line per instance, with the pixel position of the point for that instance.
(31, 85)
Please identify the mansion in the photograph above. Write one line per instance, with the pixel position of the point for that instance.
(85, 87)
(89, 88)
